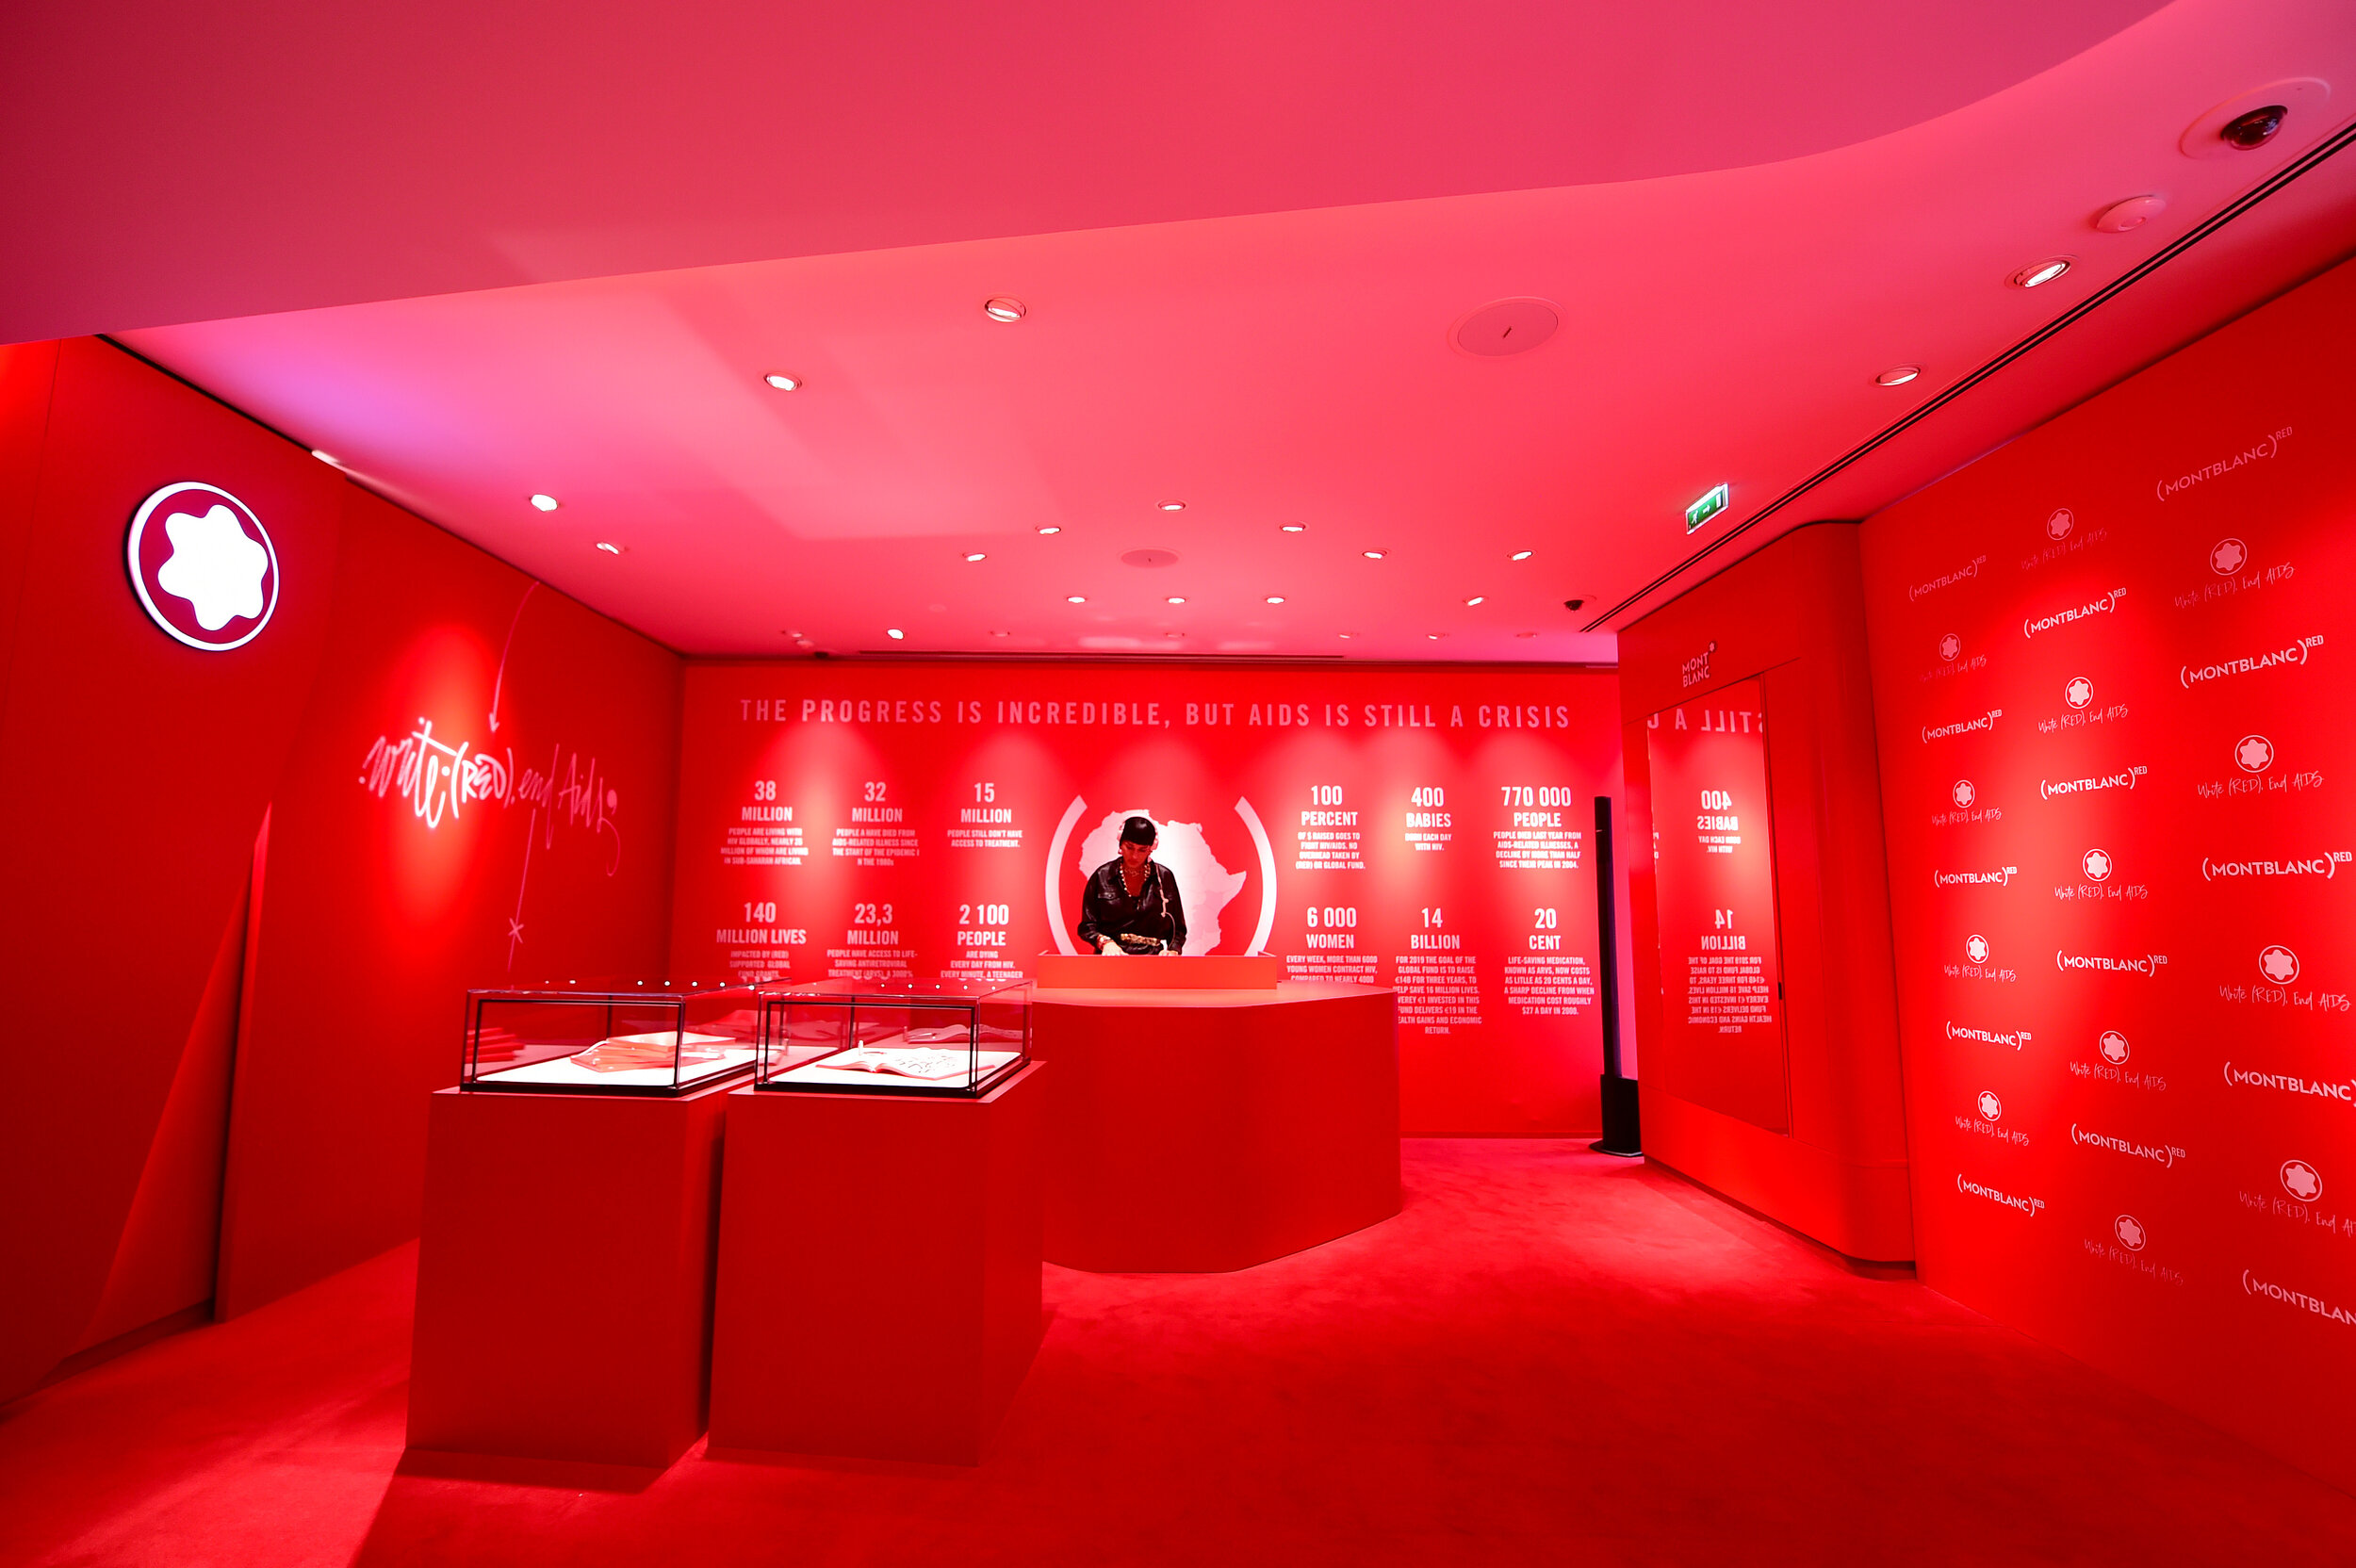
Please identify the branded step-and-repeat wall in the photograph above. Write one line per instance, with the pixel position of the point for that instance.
(1427, 830)
(2113, 687)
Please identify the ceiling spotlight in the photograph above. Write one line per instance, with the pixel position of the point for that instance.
(1173, 634)
(2039, 272)
(1173, 506)
(1075, 599)
(1371, 555)
(782, 381)
(2247, 132)
(1002, 634)
(894, 633)
(2133, 213)
(1477, 598)
(1521, 555)
(1176, 598)
(1898, 375)
(975, 555)
(1276, 599)
(1345, 636)
(1525, 634)
(999, 308)
(609, 547)
(1434, 636)
(322, 456)
(1296, 528)
(1051, 529)
(544, 503)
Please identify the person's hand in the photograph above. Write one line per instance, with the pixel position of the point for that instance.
(1170, 953)
(1109, 948)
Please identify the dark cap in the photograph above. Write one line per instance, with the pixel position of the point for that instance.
(1138, 830)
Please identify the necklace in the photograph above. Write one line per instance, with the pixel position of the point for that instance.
(1135, 884)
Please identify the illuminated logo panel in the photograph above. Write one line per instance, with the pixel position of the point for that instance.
(202, 566)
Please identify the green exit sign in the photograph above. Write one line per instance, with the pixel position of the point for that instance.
(1704, 508)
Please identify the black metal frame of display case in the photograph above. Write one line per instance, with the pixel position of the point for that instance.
(775, 1003)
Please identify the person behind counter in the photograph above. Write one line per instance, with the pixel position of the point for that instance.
(1131, 906)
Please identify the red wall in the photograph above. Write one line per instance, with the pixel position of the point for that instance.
(2112, 673)
(1495, 1034)
(1824, 1149)
(140, 773)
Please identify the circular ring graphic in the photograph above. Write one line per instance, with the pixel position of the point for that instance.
(226, 521)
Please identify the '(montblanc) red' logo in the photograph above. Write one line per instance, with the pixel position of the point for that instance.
(2129, 1232)
(2302, 1180)
(1950, 646)
(2254, 752)
(2097, 865)
(2079, 693)
(2114, 1047)
(202, 566)
(1975, 948)
(2058, 526)
(1991, 1107)
(2278, 964)
(1963, 794)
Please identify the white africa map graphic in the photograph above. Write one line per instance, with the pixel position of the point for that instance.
(1204, 886)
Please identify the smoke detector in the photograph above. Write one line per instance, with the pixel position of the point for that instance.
(1504, 327)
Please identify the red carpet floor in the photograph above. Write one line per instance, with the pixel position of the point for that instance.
(1550, 1357)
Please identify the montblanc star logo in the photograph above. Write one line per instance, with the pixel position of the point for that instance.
(2114, 1047)
(2278, 963)
(1975, 949)
(1963, 794)
(2097, 865)
(2254, 752)
(1949, 647)
(2079, 693)
(203, 567)
(2058, 526)
(2302, 1180)
(2129, 1232)
(2227, 555)
(1991, 1107)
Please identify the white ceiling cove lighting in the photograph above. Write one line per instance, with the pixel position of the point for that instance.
(1001, 308)
(782, 381)
(323, 457)
(1371, 555)
(1898, 375)
(544, 503)
(2039, 273)
(1296, 528)
(1176, 598)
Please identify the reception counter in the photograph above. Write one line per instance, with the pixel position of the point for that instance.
(1194, 1130)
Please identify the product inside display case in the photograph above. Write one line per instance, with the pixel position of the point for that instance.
(937, 1037)
(611, 1037)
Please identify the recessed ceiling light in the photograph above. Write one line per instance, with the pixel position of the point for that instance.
(1002, 634)
(2131, 214)
(1345, 636)
(1478, 598)
(1001, 308)
(1173, 506)
(2038, 272)
(1051, 529)
(1898, 375)
(322, 456)
(609, 547)
(1434, 636)
(1521, 555)
(1525, 634)
(975, 555)
(544, 503)
(1173, 634)
(895, 632)
(1177, 598)
(1371, 555)
(1296, 528)
(782, 381)
(1276, 599)
(1075, 599)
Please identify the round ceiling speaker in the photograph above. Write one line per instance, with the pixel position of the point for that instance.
(2253, 121)
(1506, 327)
(1149, 558)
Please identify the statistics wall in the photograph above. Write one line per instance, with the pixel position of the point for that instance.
(2112, 679)
(1425, 829)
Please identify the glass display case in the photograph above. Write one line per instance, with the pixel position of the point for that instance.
(611, 1037)
(929, 1037)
